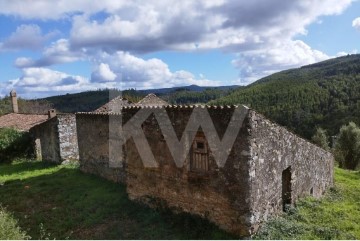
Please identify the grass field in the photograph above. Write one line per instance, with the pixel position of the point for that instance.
(61, 202)
(335, 216)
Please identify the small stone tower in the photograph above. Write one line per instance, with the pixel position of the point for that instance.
(14, 101)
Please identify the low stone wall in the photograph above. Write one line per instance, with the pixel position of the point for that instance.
(46, 141)
(274, 149)
(68, 142)
(55, 140)
(94, 140)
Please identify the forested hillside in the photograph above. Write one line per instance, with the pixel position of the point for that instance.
(91, 100)
(325, 94)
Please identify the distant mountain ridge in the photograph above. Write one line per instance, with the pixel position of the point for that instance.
(91, 100)
(195, 88)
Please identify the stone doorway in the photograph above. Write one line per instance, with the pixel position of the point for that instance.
(286, 188)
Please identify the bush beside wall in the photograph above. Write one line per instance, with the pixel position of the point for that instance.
(14, 144)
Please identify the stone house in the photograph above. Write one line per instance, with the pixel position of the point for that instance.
(265, 169)
(54, 136)
(20, 121)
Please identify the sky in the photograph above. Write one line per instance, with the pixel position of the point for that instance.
(60, 46)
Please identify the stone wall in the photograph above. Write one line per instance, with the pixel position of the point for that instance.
(68, 137)
(55, 140)
(93, 140)
(219, 194)
(236, 197)
(273, 149)
(46, 141)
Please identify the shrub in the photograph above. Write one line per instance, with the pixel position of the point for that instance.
(14, 144)
(9, 227)
(347, 148)
(320, 138)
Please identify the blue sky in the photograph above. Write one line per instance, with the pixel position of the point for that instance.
(56, 47)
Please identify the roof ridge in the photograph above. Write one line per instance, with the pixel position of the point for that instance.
(166, 107)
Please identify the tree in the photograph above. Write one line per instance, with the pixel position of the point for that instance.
(320, 138)
(347, 148)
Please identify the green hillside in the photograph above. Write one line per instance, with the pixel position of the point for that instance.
(91, 100)
(325, 94)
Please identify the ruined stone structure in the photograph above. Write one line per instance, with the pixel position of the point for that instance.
(267, 167)
(55, 140)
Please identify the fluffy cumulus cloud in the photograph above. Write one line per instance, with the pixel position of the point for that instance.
(179, 25)
(40, 82)
(103, 73)
(114, 34)
(60, 9)
(282, 55)
(129, 71)
(57, 53)
(25, 37)
(356, 23)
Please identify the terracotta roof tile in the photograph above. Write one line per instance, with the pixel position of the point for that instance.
(21, 122)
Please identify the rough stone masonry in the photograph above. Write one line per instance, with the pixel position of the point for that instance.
(267, 168)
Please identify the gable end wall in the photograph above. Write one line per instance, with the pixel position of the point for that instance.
(273, 149)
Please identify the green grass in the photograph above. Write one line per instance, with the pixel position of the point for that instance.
(60, 202)
(335, 216)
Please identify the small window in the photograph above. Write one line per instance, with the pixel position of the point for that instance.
(200, 145)
(200, 156)
(311, 191)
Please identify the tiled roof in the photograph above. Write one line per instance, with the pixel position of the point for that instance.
(114, 105)
(151, 100)
(22, 122)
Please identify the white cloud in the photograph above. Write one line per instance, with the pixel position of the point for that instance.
(356, 23)
(260, 32)
(343, 53)
(242, 25)
(282, 55)
(25, 37)
(44, 9)
(40, 82)
(113, 34)
(103, 73)
(57, 53)
(118, 70)
(135, 72)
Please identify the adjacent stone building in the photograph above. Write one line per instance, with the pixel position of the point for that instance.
(267, 167)
(55, 140)
(20, 121)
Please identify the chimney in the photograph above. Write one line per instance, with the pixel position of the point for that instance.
(51, 113)
(14, 102)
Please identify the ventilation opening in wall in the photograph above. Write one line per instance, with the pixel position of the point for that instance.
(311, 191)
(286, 188)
